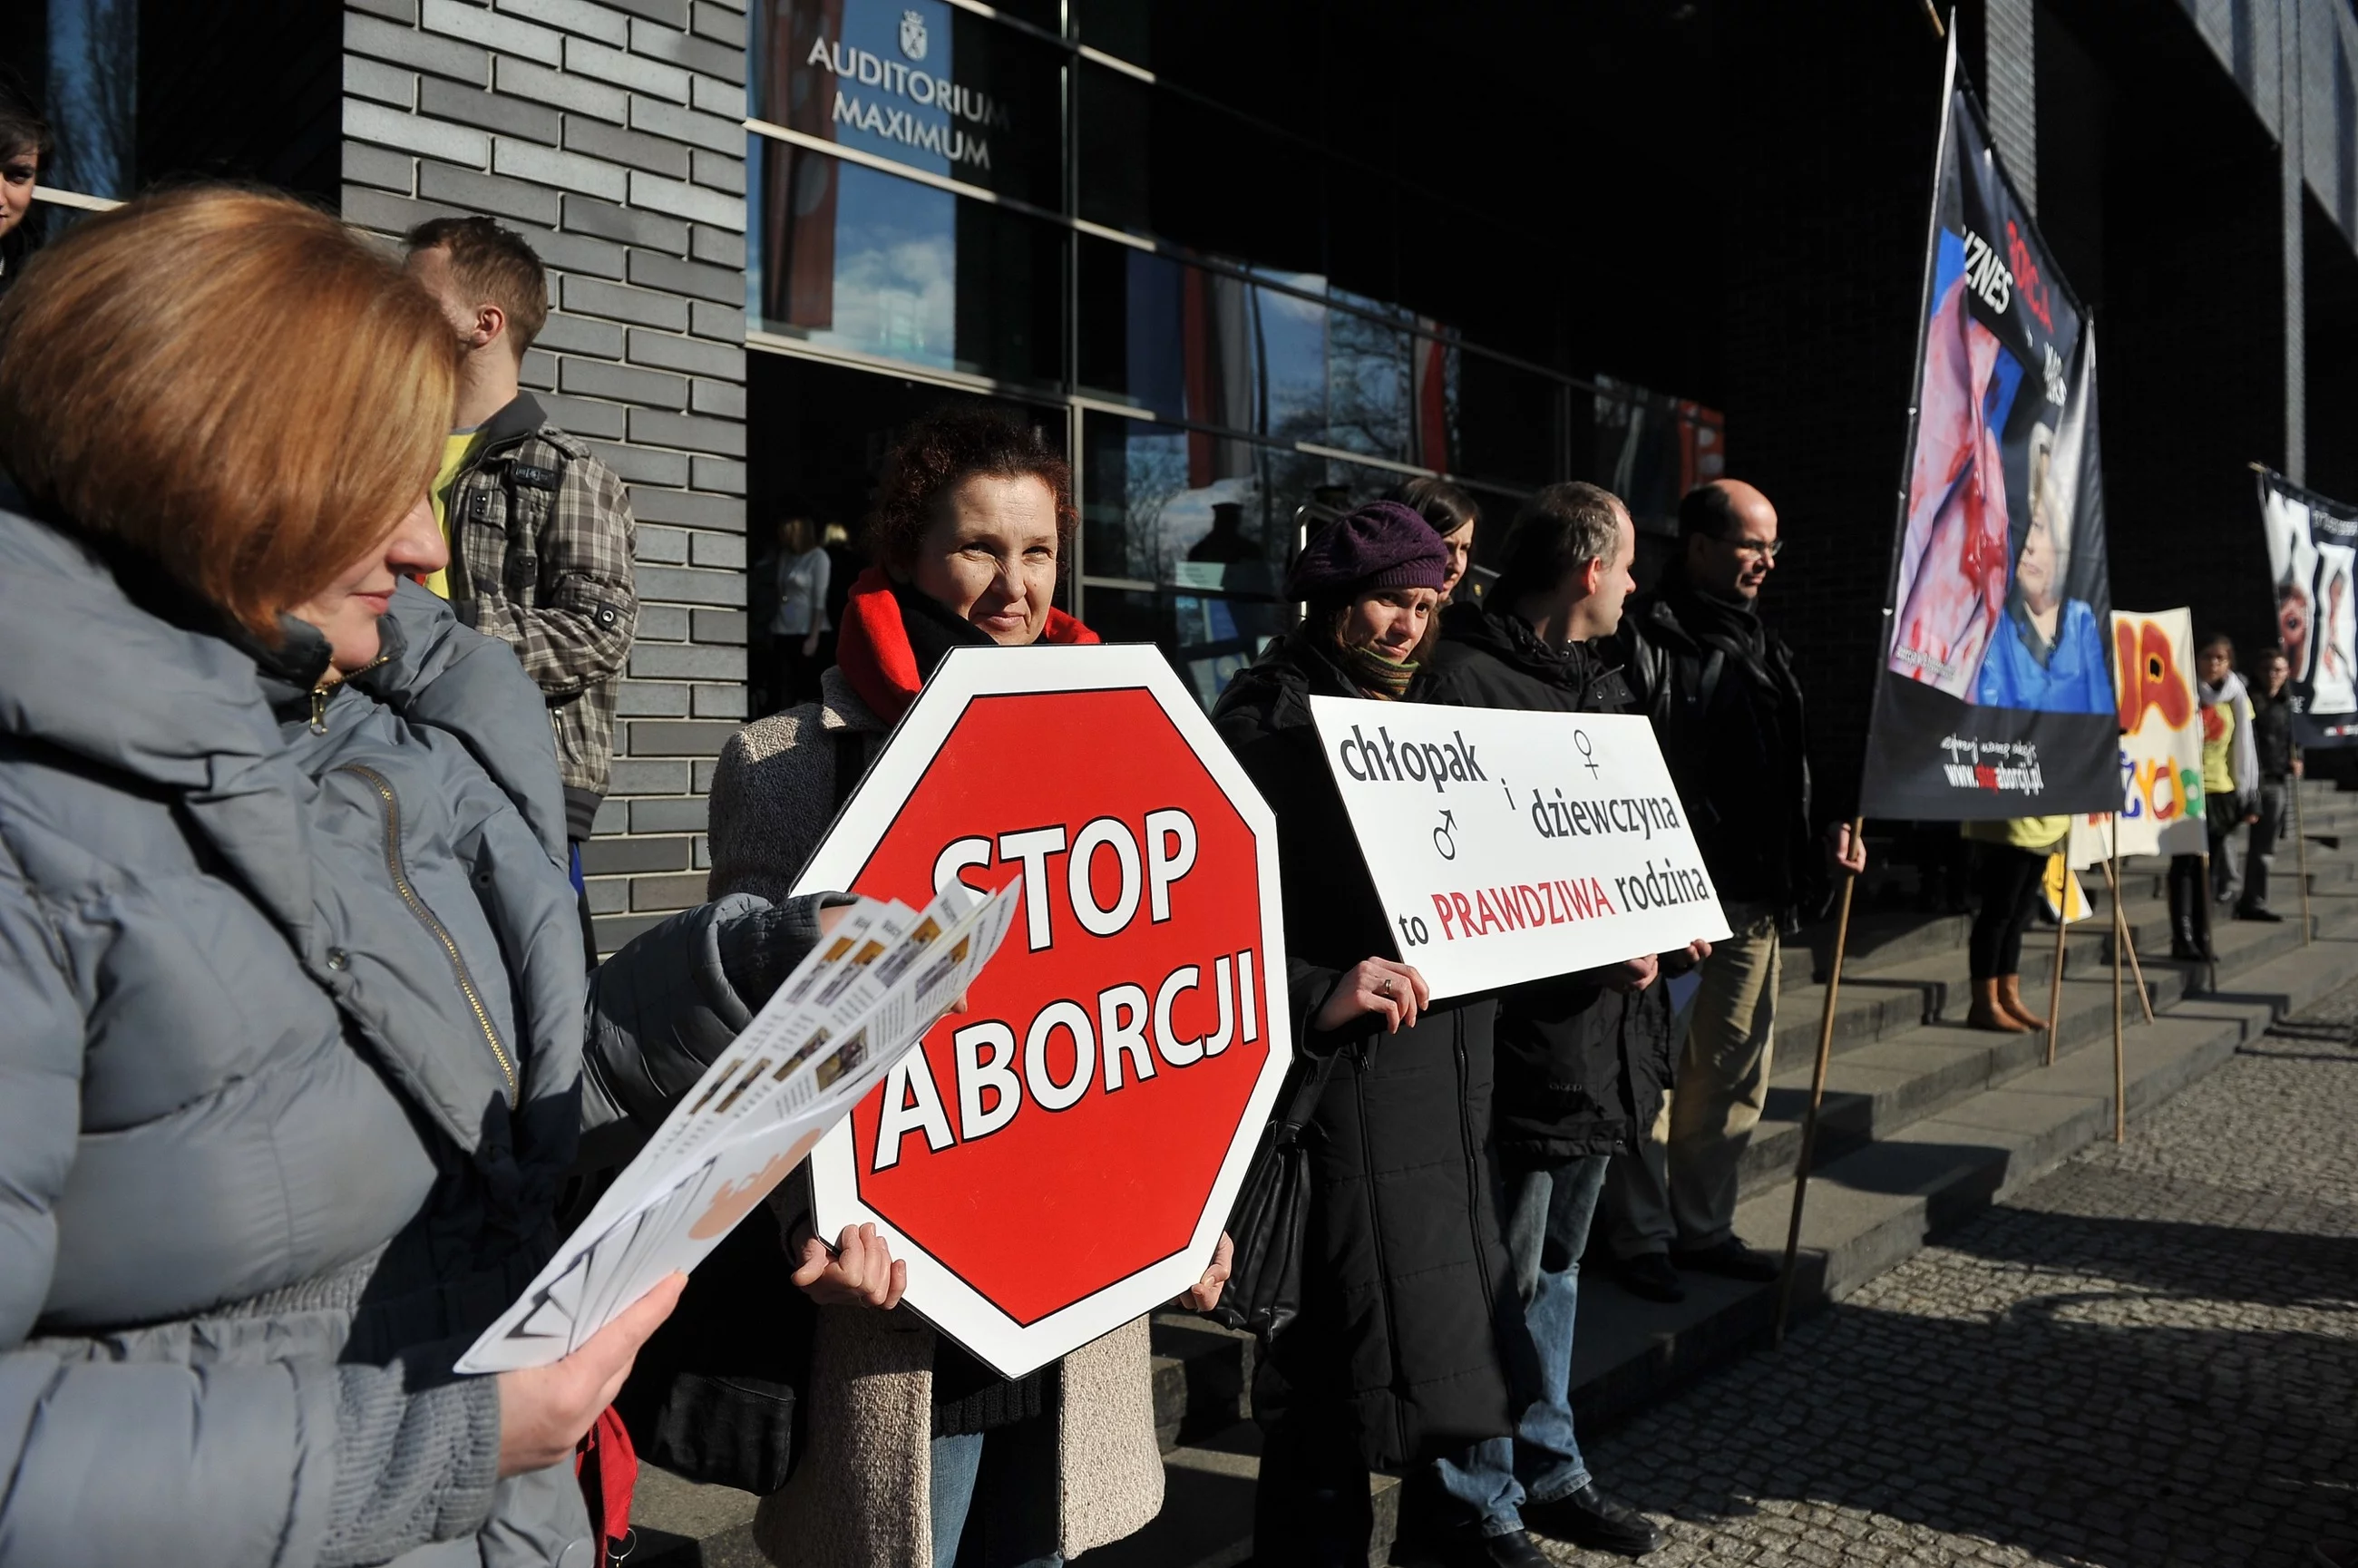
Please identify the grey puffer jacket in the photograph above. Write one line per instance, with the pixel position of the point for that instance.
(290, 1073)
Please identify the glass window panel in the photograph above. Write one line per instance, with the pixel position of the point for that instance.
(1207, 637)
(1120, 28)
(917, 81)
(1155, 498)
(1509, 422)
(1193, 344)
(852, 257)
(1369, 380)
(1651, 450)
(1153, 162)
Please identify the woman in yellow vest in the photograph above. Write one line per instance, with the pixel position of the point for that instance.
(2014, 857)
(2231, 779)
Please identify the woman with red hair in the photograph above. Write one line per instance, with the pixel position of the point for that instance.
(971, 526)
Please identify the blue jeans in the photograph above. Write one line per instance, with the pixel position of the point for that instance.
(1012, 1532)
(1547, 1213)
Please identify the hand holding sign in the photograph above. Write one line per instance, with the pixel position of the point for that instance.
(1058, 1161)
(875, 982)
(1393, 992)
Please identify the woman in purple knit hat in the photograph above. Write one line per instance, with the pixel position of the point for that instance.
(1395, 1360)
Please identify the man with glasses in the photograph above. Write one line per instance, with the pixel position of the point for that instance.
(1726, 707)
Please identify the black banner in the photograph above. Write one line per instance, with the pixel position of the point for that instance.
(2313, 561)
(1996, 698)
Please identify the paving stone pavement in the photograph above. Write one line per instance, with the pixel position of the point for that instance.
(2149, 1357)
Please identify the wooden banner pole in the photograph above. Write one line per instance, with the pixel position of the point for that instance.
(2120, 945)
(2055, 980)
(1817, 1096)
(2301, 850)
(2137, 966)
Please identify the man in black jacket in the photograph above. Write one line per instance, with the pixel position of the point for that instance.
(1580, 1060)
(1726, 707)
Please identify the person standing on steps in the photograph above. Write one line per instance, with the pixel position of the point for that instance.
(1720, 688)
(2230, 779)
(2279, 767)
(1583, 1059)
(2013, 860)
(1397, 1358)
(539, 529)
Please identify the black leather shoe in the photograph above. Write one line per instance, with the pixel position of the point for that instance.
(1732, 1260)
(1650, 1275)
(2252, 911)
(1512, 1550)
(1590, 1518)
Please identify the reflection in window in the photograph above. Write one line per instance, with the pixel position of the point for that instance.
(1210, 522)
(854, 258)
(1652, 449)
(1218, 349)
(92, 102)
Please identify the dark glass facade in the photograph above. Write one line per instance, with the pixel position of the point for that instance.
(1228, 308)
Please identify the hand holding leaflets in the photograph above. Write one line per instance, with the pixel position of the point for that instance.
(865, 995)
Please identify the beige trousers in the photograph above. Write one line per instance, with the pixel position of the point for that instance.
(1678, 1188)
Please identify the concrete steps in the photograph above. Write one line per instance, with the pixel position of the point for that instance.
(1925, 1123)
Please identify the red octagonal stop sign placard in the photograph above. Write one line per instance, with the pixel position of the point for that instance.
(1059, 1158)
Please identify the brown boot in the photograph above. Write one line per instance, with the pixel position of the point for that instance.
(2009, 997)
(1988, 1013)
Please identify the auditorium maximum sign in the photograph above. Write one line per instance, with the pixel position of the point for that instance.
(1059, 1159)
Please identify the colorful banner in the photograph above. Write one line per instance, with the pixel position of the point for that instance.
(1995, 698)
(2313, 561)
(2160, 745)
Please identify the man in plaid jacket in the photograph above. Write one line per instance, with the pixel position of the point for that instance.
(539, 529)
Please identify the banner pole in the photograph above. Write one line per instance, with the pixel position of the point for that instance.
(2120, 942)
(2137, 966)
(2055, 980)
(2301, 847)
(1817, 1094)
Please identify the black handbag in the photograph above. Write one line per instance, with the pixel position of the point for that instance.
(1271, 1217)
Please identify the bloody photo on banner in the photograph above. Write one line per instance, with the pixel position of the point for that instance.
(2312, 560)
(1995, 696)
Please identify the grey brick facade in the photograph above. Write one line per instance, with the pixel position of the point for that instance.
(607, 133)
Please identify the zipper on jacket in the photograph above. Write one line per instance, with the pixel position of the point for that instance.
(401, 884)
(322, 694)
(1474, 1185)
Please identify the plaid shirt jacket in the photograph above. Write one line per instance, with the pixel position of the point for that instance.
(540, 557)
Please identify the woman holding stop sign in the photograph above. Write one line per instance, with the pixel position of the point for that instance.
(1394, 1361)
(911, 1447)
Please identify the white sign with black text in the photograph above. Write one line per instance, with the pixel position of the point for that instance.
(1511, 846)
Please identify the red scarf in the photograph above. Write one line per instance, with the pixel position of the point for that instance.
(875, 654)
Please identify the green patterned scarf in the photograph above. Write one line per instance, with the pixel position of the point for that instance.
(1377, 675)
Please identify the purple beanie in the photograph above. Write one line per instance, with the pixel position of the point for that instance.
(1382, 544)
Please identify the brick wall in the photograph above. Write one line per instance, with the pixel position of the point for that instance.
(608, 133)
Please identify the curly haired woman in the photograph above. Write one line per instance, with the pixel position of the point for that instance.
(913, 1448)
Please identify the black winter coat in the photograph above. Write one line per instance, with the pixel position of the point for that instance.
(1581, 1070)
(2272, 735)
(1728, 710)
(1404, 1273)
